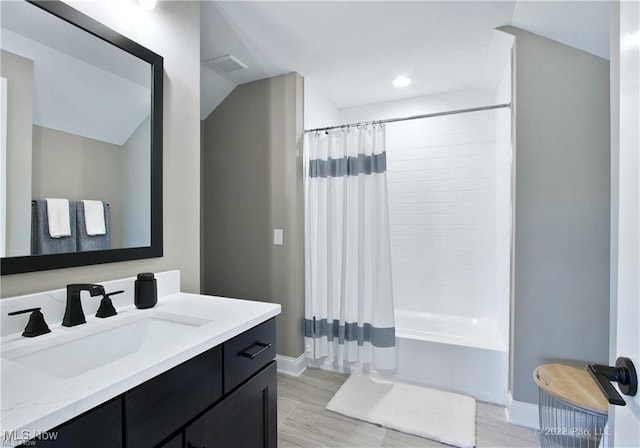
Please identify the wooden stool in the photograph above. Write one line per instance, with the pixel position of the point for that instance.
(572, 410)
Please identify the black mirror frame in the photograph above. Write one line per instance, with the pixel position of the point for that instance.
(33, 263)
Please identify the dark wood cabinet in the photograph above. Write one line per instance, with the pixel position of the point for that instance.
(225, 397)
(246, 419)
(159, 407)
(99, 427)
(175, 442)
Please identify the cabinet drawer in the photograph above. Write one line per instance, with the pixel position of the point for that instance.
(247, 353)
(156, 409)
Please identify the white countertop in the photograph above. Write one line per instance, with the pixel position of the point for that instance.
(33, 401)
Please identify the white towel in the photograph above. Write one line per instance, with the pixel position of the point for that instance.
(58, 217)
(94, 218)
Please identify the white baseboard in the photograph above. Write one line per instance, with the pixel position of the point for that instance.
(292, 366)
(323, 364)
(522, 414)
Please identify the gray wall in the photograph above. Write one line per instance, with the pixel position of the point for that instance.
(19, 74)
(173, 31)
(252, 183)
(561, 280)
(74, 167)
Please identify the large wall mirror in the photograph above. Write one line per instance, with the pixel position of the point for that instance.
(81, 141)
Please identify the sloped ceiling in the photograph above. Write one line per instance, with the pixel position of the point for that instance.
(82, 85)
(583, 25)
(352, 50)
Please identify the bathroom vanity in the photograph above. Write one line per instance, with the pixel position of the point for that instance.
(194, 371)
(207, 400)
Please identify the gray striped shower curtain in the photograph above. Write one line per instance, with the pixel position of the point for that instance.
(349, 319)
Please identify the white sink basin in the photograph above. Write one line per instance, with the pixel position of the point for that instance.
(64, 358)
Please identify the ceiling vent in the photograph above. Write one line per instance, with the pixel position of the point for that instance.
(227, 63)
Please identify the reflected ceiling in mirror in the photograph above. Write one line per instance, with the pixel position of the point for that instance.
(81, 111)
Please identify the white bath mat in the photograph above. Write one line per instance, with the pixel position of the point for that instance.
(442, 416)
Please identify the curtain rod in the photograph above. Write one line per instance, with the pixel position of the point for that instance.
(413, 117)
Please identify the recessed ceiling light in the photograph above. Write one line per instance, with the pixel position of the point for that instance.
(147, 4)
(401, 81)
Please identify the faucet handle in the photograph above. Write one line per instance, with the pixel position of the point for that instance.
(36, 325)
(106, 308)
(113, 293)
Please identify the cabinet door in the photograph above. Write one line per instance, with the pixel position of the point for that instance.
(100, 427)
(247, 418)
(164, 404)
(175, 442)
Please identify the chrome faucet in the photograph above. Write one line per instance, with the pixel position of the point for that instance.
(73, 314)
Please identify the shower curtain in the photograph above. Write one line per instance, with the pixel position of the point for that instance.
(348, 292)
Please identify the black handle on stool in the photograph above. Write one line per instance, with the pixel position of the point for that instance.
(253, 355)
(623, 373)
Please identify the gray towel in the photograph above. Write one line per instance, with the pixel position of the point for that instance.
(87, 242)
(41, 241)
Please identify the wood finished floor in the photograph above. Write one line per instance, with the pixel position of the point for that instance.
(303, 420)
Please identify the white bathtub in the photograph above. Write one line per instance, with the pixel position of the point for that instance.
(454, 353)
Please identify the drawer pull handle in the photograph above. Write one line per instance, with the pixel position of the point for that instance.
(253, 355)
